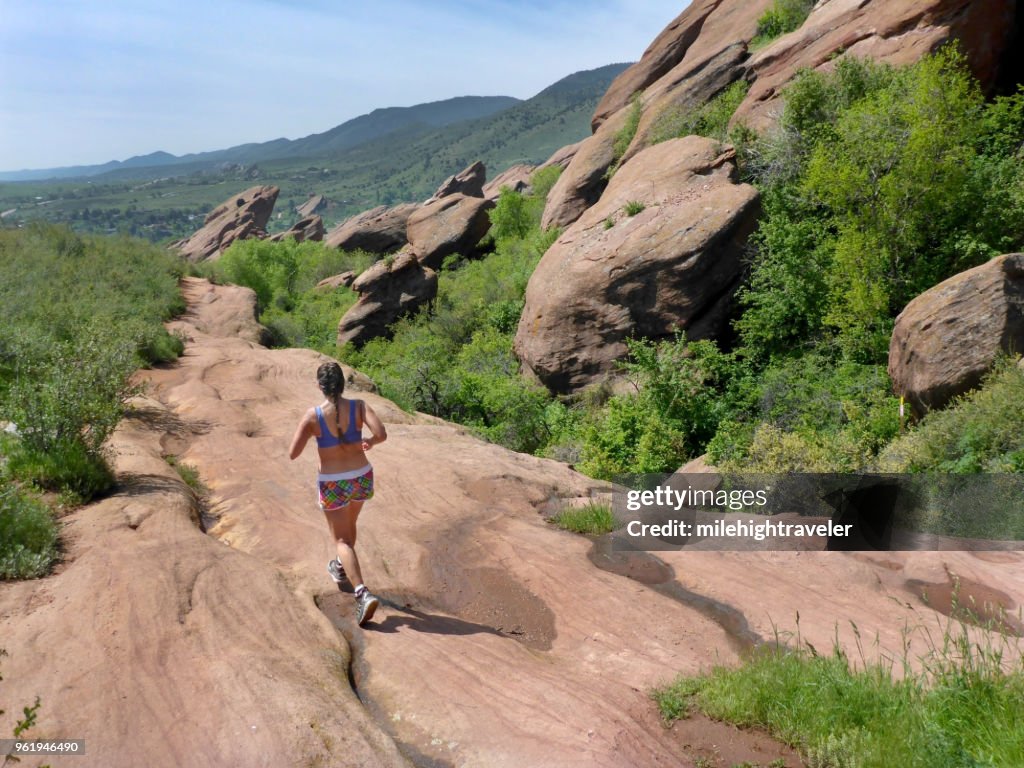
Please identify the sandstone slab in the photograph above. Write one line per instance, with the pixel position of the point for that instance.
(947, 338)
(620, 272)
(896, 31)
(243, 216)
(585, 177)
(452, 224)
(561, 157)
(469, 181)
(315, 204)
(390, 289)
(378, 230)
(343, 280)
(516, 178)
(310, 228)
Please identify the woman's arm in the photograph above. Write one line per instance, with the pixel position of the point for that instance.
(302, 435)
(372, 420)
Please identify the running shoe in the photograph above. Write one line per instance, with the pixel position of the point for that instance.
(366, 605)
(337, 571)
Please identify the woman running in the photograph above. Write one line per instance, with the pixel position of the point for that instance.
(346, 477)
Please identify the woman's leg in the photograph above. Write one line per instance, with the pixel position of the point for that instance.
(343, 528)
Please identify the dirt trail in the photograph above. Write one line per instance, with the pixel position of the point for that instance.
(499, 642)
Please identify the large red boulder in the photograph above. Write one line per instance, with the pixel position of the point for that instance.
(393, 287)
(662, 249)
(378, 230)
(243, 216)
(947, 338)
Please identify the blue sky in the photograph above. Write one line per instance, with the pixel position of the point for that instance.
(86, 82)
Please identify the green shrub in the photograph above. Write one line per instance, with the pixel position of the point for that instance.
(880, 183)
(710, 119)
(68, 466)
(77, 316)
(633, 207)
(455, 360)
(592, 519)
(284, 276)
(809, 413)
(510, 217)
(28, 535)
(983, 431)
(189, 474)
(543, 180)
(58, 284)
(684, 390)
(784, 16)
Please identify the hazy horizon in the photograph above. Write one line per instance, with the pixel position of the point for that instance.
(83, 85)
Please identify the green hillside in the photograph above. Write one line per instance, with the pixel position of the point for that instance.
(406, 164)
(379, 122)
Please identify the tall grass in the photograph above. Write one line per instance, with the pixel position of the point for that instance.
(593, 519)
(960, 703)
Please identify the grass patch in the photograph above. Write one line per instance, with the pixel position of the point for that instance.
(710, 119)
(190, 475)
(783, 17)
(28, 534)
(963, 708)
(625, 135)
(593, 519)
(633, 207)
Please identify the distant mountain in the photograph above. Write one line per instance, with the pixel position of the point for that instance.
(385, 157)
(380, 122)
(408, 166)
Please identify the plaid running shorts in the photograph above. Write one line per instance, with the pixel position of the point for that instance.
(336, 490)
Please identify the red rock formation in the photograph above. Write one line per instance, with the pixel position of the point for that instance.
(315, 204)
(469, 182)
(378, 230)
(896, 31)
(947, 338)
(309, 228)
(390, 289)
(613, 275)
(243, 216)
(516, 178)
(452, 224)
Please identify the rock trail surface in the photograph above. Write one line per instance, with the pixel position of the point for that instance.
(498, 643)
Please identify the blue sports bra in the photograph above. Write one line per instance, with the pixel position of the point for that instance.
(352, 435)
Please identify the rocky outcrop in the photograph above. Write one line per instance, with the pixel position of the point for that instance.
(243, 216)
(561, 157)
(469, 182)
(309, 228)
(378, 230)
(947, 338)
(452, 224)
(675, 262)
(315, 204)
(343, 280)
(683, 89)
(516, 178)
(388, 290)
(698, 35)
(896, 31)
(583, 180)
